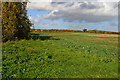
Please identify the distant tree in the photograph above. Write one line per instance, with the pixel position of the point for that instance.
(15, 23)
(95, 31)
(84, 30)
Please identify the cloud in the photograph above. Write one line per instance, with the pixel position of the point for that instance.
(40, 23)
(89, 12)
(78, 11)
(36, 19)
(42, 6)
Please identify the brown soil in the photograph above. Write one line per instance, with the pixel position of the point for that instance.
(106, 35)
(78, 33)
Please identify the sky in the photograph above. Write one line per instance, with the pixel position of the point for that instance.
(74, 15)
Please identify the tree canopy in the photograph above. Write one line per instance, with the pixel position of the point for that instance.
(15, 23)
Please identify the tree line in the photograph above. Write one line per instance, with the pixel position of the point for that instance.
(15, 22)
(84, 30)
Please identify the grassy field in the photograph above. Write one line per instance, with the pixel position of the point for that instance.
(61, 55)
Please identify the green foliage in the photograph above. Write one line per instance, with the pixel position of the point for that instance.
(0, 22)
(15, 23)
(74, 55)
(84, 30)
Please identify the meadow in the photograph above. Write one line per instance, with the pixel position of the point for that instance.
(62, 55)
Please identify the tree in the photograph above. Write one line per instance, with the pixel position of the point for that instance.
(0, 23)
(84, 30)
(15, 23)
(24, 24)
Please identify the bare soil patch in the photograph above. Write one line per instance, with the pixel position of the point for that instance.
(77, 33)
(106, 35)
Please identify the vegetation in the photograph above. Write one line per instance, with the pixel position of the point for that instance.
(56, 53)
(61, 55)
(0, 23)
(84, 30)
(15, 23)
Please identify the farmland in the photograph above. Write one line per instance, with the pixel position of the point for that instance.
(62, 55)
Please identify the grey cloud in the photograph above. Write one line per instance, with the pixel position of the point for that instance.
(79, 11)
(89, 12)
(89, 6)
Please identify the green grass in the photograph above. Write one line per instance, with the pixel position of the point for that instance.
(61, 55)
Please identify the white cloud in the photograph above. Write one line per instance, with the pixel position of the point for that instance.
(89, 12)
(35, 20)
(39, 23)
(44, 6)
(78, 11)
(73, 0)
